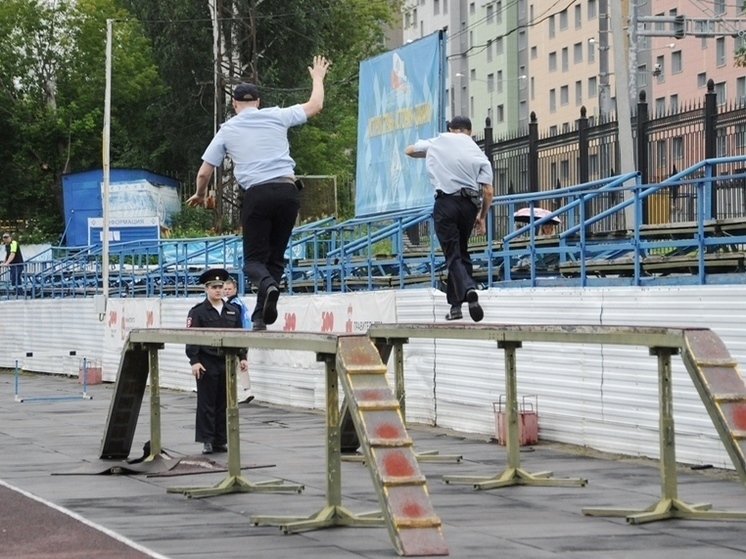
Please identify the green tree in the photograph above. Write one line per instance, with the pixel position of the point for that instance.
(52, 86)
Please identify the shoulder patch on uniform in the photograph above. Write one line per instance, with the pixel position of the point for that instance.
(189, 322)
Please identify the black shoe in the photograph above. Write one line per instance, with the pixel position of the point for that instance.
(475, 309)
(258, 324)
(269, 312)
(207, 448)
(454, 314)
(220, 448)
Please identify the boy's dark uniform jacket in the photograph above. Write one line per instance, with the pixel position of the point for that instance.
(204, 315)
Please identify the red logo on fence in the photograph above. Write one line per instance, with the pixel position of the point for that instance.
(149, 319)
(327, 321)
(112, 318)
(290, 322)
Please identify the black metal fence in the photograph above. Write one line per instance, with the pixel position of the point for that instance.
(665, 145)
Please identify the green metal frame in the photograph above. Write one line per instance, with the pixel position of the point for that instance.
(332, 513)
(662, 342)
(234, 482)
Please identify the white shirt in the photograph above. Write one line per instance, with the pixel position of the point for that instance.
(257, 142)
(454, 161)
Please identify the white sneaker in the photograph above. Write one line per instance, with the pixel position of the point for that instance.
(245, 397)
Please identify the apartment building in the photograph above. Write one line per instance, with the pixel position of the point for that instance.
(565, 51)
(677, 70)
(483, 71)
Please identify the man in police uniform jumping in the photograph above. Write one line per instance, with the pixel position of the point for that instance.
(208, 363)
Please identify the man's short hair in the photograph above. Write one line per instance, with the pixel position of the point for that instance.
(460, 123)
(246, 92)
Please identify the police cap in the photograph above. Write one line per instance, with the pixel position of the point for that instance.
(214, 275)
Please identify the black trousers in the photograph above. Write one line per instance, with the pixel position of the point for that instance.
(268, 215)
(210, 425)
(454, 218)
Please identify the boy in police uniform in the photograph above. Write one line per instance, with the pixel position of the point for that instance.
(208, 363)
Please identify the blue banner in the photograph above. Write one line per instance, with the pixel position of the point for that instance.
(401, 100)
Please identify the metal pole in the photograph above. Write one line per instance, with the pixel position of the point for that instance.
(623, 110)
(632, 32)
(106, 165)
(604, 92)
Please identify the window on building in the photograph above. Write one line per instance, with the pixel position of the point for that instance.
(741, 90)
(499, 11)
(677, 148)
(552, 61)
(501, 113)
(719, 7)
(490, 13)
(489, 51)
(673, 103)
(553, 132)
(471, 106)
(472, 74)
(660, 154)
(521, 77)
(565, 59)
(534, 53)
(523, 110)
(578, 92)
(660, 105)
(578, 17)
(499, 46)
(499, 81)
(563, 19)
(522, 44)
(702, 79)
(552, 101)
(720, 51)
(436, 7)
(472, 8)
(551, 23)
(445, 6)
(490, 83)
(659, 25)
(721, 93)
(592, 9)
(592, 87)
(564, 95)
(565, 130)
(593, 163)
(740, 138)
(591, 52)
(577, 53)
(521, 9)
(676, 64)
(532, 88)
(642, 75)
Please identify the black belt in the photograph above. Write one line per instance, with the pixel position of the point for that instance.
(464, 192)
(284, 180)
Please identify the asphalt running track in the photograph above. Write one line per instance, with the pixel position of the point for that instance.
(31, 528)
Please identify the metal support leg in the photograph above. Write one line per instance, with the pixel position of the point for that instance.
(669, 505)
(333, 513)
(234, 483)
(514, 474)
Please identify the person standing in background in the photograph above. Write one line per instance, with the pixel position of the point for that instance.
(230, 293)
(208, 362)
(14, 261)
